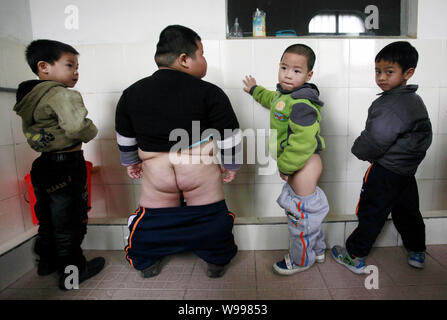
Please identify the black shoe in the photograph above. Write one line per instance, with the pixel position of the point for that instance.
(92, 268)
(215, 271)
(152, 270)
(46, 267)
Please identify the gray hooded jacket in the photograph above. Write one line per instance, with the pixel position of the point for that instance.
(398, 131)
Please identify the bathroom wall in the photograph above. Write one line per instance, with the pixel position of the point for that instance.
(117, 41)
(15, 32)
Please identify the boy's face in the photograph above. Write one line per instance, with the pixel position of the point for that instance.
(197, 66)
(389, 75)
(63, 70)
(293, 71)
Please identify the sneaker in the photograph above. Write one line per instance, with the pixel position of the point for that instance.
(286, 267)
(215, 271)
(320, 258)
(416, 259)
(152, 270)
(46, 267)
(92, 268)
(341, 255)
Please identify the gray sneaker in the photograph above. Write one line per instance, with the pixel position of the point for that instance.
(341, 255)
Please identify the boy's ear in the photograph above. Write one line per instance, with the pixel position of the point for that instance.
(42, 66)
(409, 73)
(309, 75)
(183, 60)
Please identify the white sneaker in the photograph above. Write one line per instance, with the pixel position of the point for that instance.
(319, 258)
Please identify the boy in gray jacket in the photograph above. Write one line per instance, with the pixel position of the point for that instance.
(54, 123)
(397, 135)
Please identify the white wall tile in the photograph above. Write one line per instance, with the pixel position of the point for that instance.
(426, 195)
(361, 62)
(333, 63)
(355, 168)
(139, 61)
(11, 222)
(8, 173)
(112, 171)
(334, 159)
(430, 96)
(98, 202)
(261, 237)
(441, 161)
(7, 101)
(120, 200)
(442, 118)
(334, 233)
(239, 199)
(360, 99)
(353, 190)
(104, 237)
(439, 195)
(334, 114)
(265, 196)
(428, 69)
(14, 63)
(88, 75)
(427, 168)
(212, 55)
(242, 105)
(236, 62)
(104, 114)
(335, 193)
(437, 228)
(443, 64)
(110, 68)
(24, 156)
(261, 115)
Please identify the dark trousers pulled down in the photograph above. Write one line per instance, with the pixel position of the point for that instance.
(384, 192)
(205, 230)
(60, 185)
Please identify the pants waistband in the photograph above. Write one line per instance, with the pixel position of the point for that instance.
(63, 156)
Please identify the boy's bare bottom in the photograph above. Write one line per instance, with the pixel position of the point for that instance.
(304, 182)
(167, 175)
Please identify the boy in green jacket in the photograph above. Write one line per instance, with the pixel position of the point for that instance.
(55, 124)
(296, 142)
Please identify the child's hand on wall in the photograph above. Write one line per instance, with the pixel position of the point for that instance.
(249, 83)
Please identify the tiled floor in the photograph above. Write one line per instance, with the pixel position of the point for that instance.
(250, 277)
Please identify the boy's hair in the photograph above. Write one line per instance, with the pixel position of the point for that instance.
(400, 52)
(175, 40)
(46, 50)
(302, 50)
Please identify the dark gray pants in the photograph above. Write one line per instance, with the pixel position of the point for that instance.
(60, 186)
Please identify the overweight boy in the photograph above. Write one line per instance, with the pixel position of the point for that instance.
(55, 124)
(295, 116)
(149, 112)
(395, 140)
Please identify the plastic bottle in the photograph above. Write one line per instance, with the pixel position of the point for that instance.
(236, 30)
(259, 23)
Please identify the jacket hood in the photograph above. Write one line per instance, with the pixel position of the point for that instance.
(28, 97)
(306, 91)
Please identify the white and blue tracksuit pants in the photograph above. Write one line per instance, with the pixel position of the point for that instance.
(305, 216)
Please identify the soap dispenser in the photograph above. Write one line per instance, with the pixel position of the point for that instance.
(236, 30)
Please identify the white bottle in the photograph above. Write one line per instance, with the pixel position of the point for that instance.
(236, 30)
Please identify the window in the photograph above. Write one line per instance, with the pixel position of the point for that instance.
(337, 23)
(326, 17)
